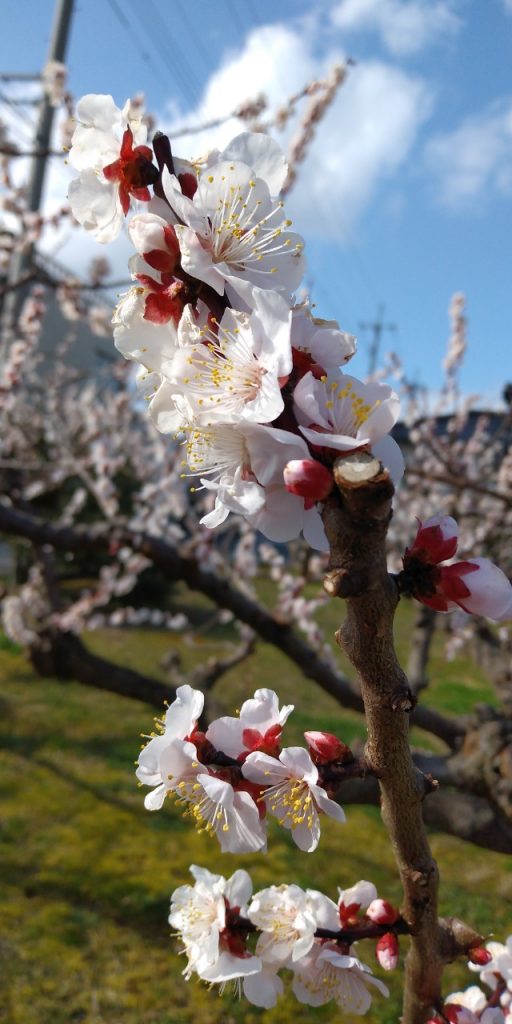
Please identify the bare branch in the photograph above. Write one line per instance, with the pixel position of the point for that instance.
(223, 593)
(356, 521)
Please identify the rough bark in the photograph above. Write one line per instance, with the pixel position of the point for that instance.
(356, 519)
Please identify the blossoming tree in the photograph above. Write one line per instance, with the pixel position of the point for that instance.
(261, 416)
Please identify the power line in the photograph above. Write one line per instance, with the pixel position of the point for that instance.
(235, 17)
(123, 20)
(377, 327)
(167, 46)
(18, 110)
(193, 34)
(19, 76)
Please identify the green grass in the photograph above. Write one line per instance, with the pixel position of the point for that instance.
(86, 873)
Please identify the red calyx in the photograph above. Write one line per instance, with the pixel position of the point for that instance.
(348, 914)
(232, 937)
(267, 742)
(204, 748)
(452, 584)
(451, 1012)
(188, 184)
(166, 258)
(303, 363)
(254, 790)
(166, 300)
(431, 546)
(133, 170)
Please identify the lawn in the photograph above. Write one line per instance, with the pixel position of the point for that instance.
(86, 873)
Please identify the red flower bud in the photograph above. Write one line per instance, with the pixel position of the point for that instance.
(309, 479)
(457, 1014)
(387, 950)
(325, 747)
(480, 956)
(435, 541)
(382, 912)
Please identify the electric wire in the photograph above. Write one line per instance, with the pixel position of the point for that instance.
(124, 21)
(172, 54)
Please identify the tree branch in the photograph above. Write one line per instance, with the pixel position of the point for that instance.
(65, 656)
(223, 593)
(356, 519)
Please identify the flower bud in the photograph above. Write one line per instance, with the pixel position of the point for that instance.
(457, 1014)
(325, 747)
(387, 950)
(478, 586)
(479, 956)
(435, 541)
(308, 479)
(382, 912)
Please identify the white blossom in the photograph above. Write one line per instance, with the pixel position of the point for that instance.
(293, 796)
(326, 974)
(200, 913)
(233, 234)
(259, 723)
(285, 917)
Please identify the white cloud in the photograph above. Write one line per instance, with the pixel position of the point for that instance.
(275, 60)
(508, 6)
(365, 137)
(475, 160)
(405, 26)
(364, 140)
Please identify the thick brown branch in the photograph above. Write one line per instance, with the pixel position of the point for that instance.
(64, 655)
(464, 815)
(356, 519)
(223, 593)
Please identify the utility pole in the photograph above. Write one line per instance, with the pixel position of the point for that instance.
(21, 262)
(377, 327)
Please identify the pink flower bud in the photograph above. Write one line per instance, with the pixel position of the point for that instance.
(386, 951)
(435, 541)
(382, 912)
(309, 479)
(457, 1014)
(325, 747)
(480, 956)
(478, 586)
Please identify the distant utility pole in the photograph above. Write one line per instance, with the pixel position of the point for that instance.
(377, 327)
(22, 260)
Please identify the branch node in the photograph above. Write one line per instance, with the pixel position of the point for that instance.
(429, 784)
(403, 699)
(345, 583)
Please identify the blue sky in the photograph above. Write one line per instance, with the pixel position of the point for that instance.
(405, 195)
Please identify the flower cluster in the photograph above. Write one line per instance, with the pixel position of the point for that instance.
(230, 777)
(476, 585)
(229, 934)
(247, 378)
(474, 1006)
